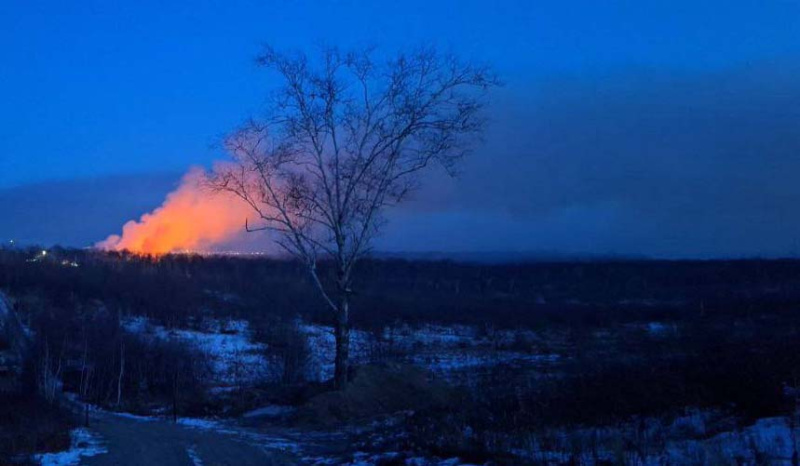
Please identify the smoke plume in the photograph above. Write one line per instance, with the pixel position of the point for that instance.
(191, 219)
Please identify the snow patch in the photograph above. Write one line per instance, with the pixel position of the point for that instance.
(449, 351)
(193, 456)
(269, 442)
(83, 443)
(134, 417)
(198, 423)
(271, 411)
(235, 359)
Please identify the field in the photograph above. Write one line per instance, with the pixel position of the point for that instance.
(560, 362)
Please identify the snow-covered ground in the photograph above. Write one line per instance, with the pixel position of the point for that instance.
(291, 442)
(234, 357)
(687, 440)
(690, 439)
(191, 452)
(322, 346)
(271, 411)
(459, 352)
(768, 441)
(83, 443)
(698, 437)
(367, 459)
(449, 351)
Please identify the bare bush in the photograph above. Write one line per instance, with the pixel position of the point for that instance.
(288, 346)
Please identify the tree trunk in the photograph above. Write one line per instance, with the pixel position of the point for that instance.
(175, 396)
(342, 333)
(121, 372)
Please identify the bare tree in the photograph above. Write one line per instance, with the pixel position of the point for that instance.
(348, 135)
(121, 371)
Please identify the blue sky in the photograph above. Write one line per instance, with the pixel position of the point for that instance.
(665, 128)
(104, 87)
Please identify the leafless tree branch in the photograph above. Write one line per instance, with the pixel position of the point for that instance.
(347, 136)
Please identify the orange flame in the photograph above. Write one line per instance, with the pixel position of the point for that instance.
(191, 219)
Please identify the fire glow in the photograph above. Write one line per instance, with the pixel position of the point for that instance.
(191, 218)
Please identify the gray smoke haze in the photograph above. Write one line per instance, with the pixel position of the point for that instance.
(641, 162)
(635, 163)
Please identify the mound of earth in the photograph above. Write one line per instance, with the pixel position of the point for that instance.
(374, 391)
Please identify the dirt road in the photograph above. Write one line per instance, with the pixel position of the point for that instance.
(164, 443)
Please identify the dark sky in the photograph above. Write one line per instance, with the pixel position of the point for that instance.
(642, 127)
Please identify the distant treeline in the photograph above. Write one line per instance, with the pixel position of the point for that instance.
(595, 293)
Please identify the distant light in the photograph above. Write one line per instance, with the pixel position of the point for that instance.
(44, 253)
